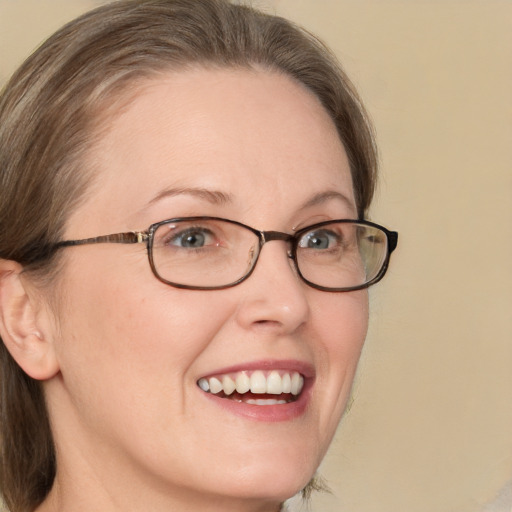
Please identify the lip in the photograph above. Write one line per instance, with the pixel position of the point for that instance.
(267, 413)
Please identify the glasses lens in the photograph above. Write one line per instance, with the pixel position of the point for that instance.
(203, 253)
(342, 255)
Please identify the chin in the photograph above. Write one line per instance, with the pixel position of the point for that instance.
(274, 480)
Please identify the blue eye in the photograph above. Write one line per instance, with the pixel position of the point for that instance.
(319, 239)
(194, 238)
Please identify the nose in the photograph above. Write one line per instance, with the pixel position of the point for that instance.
(274, 298)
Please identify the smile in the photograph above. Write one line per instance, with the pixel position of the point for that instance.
(259, 387)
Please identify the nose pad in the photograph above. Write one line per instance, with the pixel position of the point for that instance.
(251, 257)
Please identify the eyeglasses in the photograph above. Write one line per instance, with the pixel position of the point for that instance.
(210, 253)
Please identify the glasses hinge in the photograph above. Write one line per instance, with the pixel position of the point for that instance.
(141, 237)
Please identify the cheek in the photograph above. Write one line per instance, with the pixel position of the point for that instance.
(341, 323)
(118, 339)
(127, 367)
(122, 324)
(342, 320)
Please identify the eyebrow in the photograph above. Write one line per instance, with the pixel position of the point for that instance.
(323, 197)
(215, 197)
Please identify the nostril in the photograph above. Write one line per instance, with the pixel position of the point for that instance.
(269, 323)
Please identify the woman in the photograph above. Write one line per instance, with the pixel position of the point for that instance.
(184, 260)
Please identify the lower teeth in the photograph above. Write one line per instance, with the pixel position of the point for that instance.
(265, 402)
(254, 399)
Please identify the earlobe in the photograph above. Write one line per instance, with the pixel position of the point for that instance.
(20, 331)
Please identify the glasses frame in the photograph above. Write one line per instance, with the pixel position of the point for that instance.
(147, 237)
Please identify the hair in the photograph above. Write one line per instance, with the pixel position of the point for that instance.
(50, 113)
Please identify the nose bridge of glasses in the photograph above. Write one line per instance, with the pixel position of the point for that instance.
(269, 236)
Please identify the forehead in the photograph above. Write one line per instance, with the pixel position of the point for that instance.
(256, 136)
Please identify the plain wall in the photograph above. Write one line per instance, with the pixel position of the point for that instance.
(430, 427)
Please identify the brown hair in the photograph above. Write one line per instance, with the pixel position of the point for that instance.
(49, 114)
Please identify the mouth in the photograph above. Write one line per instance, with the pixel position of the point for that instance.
(255, 387)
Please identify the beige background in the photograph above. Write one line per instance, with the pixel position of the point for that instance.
(430, 429)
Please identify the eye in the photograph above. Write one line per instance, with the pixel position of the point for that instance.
(320, 239)
(192, 238)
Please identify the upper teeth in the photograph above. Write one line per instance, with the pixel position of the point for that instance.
(258, 382)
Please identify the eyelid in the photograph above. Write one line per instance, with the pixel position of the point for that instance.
(179, 231)
(316, 219)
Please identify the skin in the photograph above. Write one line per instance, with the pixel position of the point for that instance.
(133, 430)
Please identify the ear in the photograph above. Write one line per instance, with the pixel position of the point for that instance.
(21, 319)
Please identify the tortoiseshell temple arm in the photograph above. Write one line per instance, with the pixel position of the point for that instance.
(132, 237)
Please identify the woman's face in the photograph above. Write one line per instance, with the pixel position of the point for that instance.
(127, 410)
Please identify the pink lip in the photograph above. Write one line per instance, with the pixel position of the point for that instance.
(268, 413)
